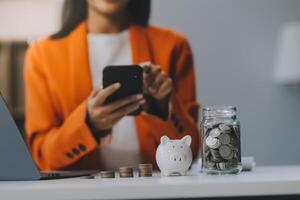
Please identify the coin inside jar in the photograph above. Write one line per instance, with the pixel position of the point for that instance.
(215, 132)
(215, 155)
(210, 164)
(221, 165)
(224, 138)
(226, 152)
(212, 142)
(224, 127)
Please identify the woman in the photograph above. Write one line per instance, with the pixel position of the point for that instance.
(67, 124)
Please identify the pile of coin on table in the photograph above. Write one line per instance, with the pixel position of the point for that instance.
(144, 170)
(221, 147)
(107, 174)
(125, 172)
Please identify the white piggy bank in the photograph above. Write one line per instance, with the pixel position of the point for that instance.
(174, 156)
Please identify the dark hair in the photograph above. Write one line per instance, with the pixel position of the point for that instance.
(75, 11)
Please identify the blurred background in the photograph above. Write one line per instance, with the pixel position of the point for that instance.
(247, 54)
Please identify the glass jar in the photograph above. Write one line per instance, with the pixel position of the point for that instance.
(221, 149)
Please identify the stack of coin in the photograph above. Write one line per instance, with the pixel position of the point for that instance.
(88, 177)
(221, 148)
(125, 172)
(107, 174)
(145, 170)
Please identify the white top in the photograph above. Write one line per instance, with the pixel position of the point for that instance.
(114, 49)
(280, 180)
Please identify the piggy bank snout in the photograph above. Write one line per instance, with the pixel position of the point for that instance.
(178, 158)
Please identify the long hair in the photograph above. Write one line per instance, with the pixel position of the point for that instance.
(75, 11)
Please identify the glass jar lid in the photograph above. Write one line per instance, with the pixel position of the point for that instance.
(219, 111)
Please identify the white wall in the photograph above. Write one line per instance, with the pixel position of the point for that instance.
(20, 19)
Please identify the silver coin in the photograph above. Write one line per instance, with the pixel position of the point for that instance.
(215, 132)
(222, 165)
(226, 152)
(215, 155)
(224, 138)
(210, 164)
(236, 131)
(206, 153)
(234, 142)
(213, 143)
(224, 127)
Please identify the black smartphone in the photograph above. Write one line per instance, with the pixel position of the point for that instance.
(129, 76)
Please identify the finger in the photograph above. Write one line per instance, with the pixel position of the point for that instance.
(155, 70)
(91, 99)
(143, 64)
(147, 68)
(165, 88)
(159, 80)
(125, 110)
(105, 140)
(119, 116)
(151, 87)
(97, 113)
(148, 73)
(95, 91)
(122, 102)
(106, 92)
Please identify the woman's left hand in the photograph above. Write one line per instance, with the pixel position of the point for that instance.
(157, 83)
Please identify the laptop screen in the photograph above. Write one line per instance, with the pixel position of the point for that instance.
(15, 159)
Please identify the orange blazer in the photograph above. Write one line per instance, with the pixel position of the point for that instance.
(58, 83)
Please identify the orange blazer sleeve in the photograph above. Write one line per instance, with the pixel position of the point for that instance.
(53, 144)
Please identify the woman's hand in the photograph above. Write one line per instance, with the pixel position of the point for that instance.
(104, 117)
(157, 83)
(157, 88)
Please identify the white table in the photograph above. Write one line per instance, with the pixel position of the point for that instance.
(280, 180)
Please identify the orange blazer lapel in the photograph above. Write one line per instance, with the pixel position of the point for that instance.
(140, 45)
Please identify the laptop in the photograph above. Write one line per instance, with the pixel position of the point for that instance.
(16, 161)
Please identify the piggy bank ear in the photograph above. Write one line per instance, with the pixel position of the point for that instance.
(187, 140)
(164, 139)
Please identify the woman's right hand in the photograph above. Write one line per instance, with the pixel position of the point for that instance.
(104, 117)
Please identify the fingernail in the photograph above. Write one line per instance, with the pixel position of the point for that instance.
(152, 89)
(142, 102)
(117, 85)
(139, 96)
